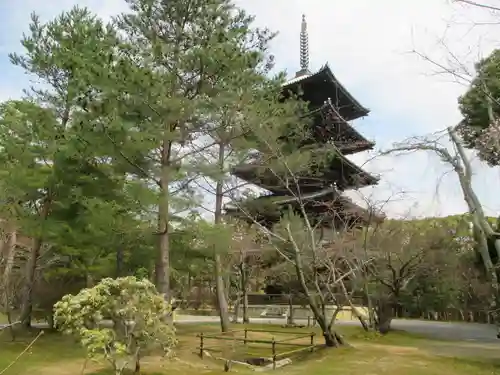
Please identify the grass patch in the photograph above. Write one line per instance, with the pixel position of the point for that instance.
(396, 353)
(48, 348)
(388, 360)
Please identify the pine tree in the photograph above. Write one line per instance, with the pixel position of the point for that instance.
(174, 59)
(53, 156)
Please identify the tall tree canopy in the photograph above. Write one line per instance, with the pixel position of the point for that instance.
(480, 106)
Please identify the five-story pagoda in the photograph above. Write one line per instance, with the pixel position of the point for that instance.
(319, 189)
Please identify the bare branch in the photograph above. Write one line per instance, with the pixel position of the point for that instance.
(479, 5)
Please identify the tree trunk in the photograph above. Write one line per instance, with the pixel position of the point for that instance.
(364, 323)
(244, 290)
(119, 262)
(9, 252)
(221, 295)
(385, 314)
(371, 310)
(246, 319)
(186, 291)
(162, 266)
(332, 339)
(137, 369)
(27, 302)
(237, 308)
(219, 275)
(354, 310)
(89, 279)
(290, 317)
(480, 222)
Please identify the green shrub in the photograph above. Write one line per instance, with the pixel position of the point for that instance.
(137, 313)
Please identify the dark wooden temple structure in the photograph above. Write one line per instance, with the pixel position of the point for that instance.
(319, 188)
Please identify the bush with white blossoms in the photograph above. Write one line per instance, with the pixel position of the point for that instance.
(488, 144)
(137, 314)
(486, 141)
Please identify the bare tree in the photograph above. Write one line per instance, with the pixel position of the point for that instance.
(308, 224)
(245, 260)
(456, 157)
(480, 128)
(400, 251)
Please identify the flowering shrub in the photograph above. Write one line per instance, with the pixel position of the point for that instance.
(486, 141)
(488, 144)
(137, 314)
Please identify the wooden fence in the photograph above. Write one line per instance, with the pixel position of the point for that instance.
(273, 345)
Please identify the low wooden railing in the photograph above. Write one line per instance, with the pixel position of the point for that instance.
(273, 343)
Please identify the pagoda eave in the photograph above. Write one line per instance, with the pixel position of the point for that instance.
(349, 149)
(314, 88)
(328, 126)
(327, 208)
(339, 171)
(307, 184)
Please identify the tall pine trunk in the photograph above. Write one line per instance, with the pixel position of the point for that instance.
(31, 264)
(162, 266)
(27, 299)
(219, 276)
(8, 254)
(221, 295)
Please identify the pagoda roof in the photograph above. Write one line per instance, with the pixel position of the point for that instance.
(318, 87)
(334, 170)
(329, 126)
(327, 207)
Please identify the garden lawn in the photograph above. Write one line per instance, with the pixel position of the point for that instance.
(397, 353)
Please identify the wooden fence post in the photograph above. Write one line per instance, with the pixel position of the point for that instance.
(246, 337)
(312, 341)
(201, 345)
(274, 353)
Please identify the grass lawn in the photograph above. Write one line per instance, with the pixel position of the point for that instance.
(397, 353)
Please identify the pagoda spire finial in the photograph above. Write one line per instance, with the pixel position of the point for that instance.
(304, 49)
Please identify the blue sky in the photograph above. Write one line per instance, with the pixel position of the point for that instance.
(368, 45)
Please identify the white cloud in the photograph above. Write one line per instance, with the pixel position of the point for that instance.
(367, 44)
